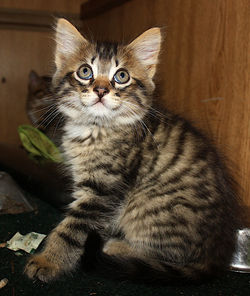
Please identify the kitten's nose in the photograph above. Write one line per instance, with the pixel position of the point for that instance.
(101, 91)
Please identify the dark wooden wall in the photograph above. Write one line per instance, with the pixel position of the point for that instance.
(205, 65)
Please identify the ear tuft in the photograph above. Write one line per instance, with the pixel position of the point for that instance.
(146, 48)
(68, 41)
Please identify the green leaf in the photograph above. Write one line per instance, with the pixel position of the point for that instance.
(38, 144)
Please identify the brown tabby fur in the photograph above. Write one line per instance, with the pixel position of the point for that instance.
(149, 184)
(41, 107)
(38, 104)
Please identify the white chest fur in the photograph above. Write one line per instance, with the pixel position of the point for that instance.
(85, 149)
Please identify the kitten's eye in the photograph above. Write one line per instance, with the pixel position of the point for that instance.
(121, 76)
(85, 72)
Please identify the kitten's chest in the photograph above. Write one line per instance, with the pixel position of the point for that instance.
(85, 143)
(91, 153)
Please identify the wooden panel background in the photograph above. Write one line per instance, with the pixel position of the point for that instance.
(69, 6)
(205, 65)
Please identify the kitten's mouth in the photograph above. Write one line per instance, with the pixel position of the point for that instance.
(99, 101)
(99, 107)
(102, 105)
(99, 104)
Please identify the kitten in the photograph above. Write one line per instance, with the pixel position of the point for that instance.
(37, 103)
(149, 184)
(41, 108)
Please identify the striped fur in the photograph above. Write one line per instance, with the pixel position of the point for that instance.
(148, 183)
(37, 105)
(41, 106)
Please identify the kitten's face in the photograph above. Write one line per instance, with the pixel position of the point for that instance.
(104, 83)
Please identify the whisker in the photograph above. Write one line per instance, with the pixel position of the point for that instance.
(52, 119)
(44, 108)
(152, 111)
(45, 119)
(39, 110)
(57, 125)
(137, 117)
(143, 124)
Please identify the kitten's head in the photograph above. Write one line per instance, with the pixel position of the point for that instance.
(38, 86)
(104, 83)
(37, 102)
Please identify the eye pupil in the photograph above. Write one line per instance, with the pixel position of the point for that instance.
(122, 74)
(85, 70)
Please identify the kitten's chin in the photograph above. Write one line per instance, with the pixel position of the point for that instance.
(99, 110)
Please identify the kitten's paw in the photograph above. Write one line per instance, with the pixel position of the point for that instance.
(39, 267)
(116, 247)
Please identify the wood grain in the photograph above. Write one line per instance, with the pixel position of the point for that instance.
(92, 8)
(204, 69)
(72, 6)
(30, 20)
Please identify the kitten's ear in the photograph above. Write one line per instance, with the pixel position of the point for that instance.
(34, 81)
(68, 41)
(34, 78)
(146, 48)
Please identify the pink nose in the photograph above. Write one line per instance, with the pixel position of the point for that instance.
(101, 91)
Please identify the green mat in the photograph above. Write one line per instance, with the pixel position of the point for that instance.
(42, 221)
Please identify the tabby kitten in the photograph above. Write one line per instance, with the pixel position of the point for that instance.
(41, 107)
(37, 103)
(149, 184)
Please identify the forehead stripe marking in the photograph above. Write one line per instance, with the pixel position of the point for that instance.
(106, 50)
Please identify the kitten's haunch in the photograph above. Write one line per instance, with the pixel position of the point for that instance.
(148, 183)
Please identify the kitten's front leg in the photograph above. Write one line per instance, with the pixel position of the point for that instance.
(65, 245)
(62, 251)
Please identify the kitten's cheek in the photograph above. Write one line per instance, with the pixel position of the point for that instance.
(83, 103)
(111, 104)
(86, 102)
